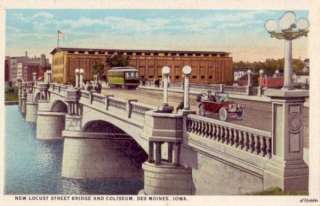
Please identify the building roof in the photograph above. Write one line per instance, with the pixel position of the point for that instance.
(57, 49)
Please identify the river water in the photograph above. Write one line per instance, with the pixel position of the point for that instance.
(34, 167)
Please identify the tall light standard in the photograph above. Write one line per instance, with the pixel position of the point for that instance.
(186, 71)
(165, 75)
(77, 73)
(287, 28)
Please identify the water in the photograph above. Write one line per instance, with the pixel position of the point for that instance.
(34, 167)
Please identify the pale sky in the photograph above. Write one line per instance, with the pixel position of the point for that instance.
(240, 32)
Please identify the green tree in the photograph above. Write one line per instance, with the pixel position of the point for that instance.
(118, 60)
(98, 69)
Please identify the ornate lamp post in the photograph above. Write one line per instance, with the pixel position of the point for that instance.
(165, 74)
(186, 71)
(77, 72)
(288, 29)
(81, 72)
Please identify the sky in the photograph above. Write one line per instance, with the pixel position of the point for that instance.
(240, 32)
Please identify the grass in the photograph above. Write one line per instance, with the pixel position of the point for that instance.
(11, 94)
(278, 191)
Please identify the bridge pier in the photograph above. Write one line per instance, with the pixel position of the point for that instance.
(163, 173)
(90, 155)
(49, 123)
(31, 109)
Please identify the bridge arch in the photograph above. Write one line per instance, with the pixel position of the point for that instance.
(59, 106)
(129, 147)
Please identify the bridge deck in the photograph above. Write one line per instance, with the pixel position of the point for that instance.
(257, 114)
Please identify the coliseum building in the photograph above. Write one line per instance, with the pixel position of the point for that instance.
(208, 67)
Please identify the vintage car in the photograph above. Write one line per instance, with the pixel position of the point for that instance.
(217, 103)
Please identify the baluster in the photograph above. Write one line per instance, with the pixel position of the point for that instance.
(269, 147)
(193, 126)
(198, 127)
(252, 144)
(223, 134)
(218, 136)
(227, 135)
(263, 146)
(210, 131)
(244, 141)
(214, 131)
(207, 129)
(235, 138)
(257, 144)
(249, 143)
(232, 136)
(204, 129)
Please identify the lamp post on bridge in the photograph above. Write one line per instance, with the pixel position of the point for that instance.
(77, 72)
(186, 71)
(165, 76)
(288, 29)
(81, 72)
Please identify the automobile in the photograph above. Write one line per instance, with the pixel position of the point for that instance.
(218, 103)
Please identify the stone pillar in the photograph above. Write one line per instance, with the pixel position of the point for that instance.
(81, 73)
(165, 176)
(261, 72)
(287, 168)
(186, 105)
(31, 109)
(77, 78)
(287, 84)
(165, 89)
(249, 85)
(23, 101)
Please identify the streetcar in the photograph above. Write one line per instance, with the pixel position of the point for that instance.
(124, 77)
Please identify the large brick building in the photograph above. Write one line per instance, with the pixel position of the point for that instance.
(207, 67)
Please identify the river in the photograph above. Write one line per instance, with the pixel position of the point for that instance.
(34, 167)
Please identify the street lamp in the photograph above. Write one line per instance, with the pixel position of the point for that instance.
(81, 72)
(287, 28)
(77, 71)
(186, 71)
(165, 74)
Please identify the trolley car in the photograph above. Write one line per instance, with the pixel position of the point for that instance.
(125, 77)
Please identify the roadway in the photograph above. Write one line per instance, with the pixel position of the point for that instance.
(257, 114)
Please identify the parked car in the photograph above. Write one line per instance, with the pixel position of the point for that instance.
(217, 103)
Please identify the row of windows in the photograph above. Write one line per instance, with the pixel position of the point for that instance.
(149, 53)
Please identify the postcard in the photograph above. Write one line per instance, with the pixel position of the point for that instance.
(149, 103)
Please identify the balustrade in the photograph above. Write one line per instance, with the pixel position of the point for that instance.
(255, 141)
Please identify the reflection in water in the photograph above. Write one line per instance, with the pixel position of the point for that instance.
(34, 167)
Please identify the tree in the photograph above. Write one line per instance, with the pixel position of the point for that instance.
(118, 60)
(98, 69)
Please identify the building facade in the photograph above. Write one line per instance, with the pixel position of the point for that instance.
(22, 67)
(207, 67)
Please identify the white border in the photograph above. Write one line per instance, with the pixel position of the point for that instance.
(314, 52)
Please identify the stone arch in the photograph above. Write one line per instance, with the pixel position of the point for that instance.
(129, 146)
(59, 106)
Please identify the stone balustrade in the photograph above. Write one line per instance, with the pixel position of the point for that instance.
(256, 141)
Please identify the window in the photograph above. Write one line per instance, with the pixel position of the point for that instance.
(202, 77)
(159, 76)
(177, 77)
(194, 77)
(151, 77)
(210, 77)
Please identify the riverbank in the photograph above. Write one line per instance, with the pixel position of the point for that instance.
(11, 102)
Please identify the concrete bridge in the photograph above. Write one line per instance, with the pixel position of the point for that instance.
(180, 153)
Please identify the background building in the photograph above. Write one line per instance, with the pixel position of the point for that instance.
(22, 67)
(207, 67)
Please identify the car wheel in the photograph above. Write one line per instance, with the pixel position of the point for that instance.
(223, 114)
(202, 112)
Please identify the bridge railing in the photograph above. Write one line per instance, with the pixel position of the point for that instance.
(248, 139)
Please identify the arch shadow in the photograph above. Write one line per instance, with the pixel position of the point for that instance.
(59, 106)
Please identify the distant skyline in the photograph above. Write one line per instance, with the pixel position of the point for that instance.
(240, 32)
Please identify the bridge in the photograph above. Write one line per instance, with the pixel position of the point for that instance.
(180, 153)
